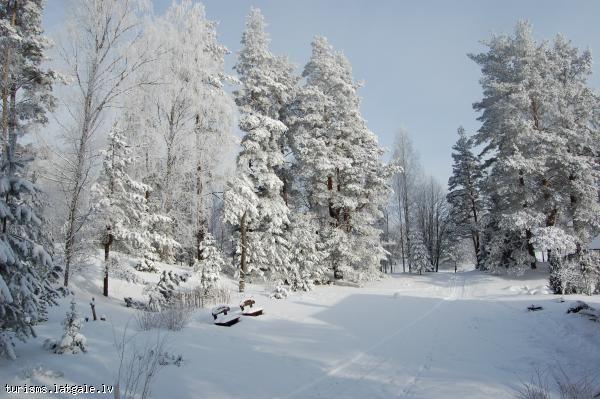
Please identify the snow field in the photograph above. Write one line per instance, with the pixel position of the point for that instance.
(464, 335)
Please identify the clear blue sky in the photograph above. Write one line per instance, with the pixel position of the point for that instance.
(412, 55)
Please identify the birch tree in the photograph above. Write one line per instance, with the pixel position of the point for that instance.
(404, 183)
(101, 61)
(186, 118)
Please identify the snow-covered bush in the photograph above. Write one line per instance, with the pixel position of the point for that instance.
(280, 292)
(139, 363)
(120, 269)
(575, 274)
(72, 340)
(174, 318)
(162, 294)
(146, 265)
(557, 380)
(166, 359)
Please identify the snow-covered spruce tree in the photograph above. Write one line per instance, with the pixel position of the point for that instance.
(306, 256)
(420, 256)
(514, 123)
(464, 199)
(72, 340)
(253, 201)
(26, 97)
(339, 159)
(120, 206)
(210, 264)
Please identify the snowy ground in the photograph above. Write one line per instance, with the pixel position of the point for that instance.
(445, 335)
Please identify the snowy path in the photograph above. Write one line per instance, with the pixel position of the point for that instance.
(361, 369)
(443, 335)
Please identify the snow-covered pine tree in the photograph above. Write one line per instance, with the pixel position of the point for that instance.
(120, 204)
(253, 201)
(514, 123)
(466, 204)
(541, 139)
(570, 199)
(572, 148)
(210, 264)
(72, 340)
(26, 97)
(420, 256)
(339, 158)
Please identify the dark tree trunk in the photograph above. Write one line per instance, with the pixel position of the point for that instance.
(107, 243)
(243, 266)
(284, 190)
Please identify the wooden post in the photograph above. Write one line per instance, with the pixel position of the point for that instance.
(93, 306)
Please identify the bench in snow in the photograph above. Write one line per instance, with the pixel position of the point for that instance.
(221, 318)
(248, 310)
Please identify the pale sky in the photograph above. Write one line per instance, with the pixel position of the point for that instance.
(411, 55)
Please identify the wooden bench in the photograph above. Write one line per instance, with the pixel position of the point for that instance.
(250, 311)
(221, 318)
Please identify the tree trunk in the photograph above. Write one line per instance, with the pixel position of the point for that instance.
(284, 190)
(78, 178)
(243, 266)
(406, 221)
(107, 243)
(332, 212)
(6, 87)
(72, 227)
(201, 220)
(475, 232)
(528, 233)
(5, 107)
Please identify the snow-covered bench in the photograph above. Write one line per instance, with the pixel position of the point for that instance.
(247, 308)
(221, 318)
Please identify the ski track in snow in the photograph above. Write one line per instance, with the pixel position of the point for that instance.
(332, 388)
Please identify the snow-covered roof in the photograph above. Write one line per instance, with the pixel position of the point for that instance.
(595, 244)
